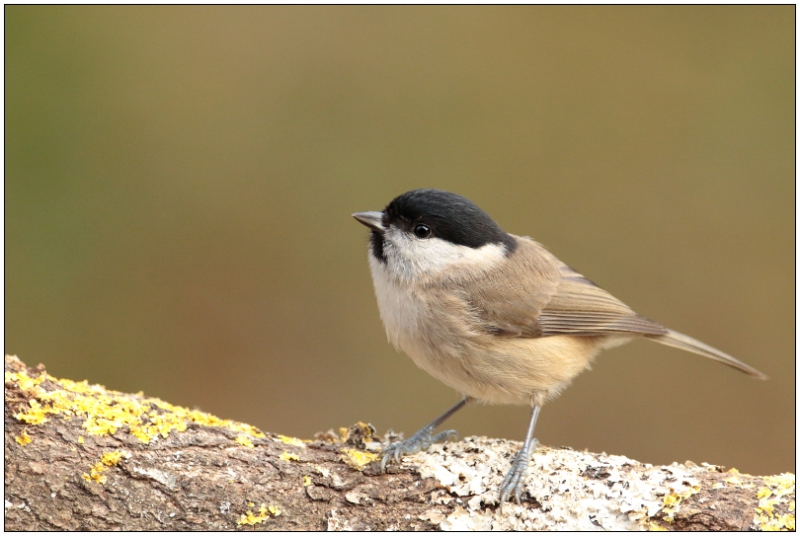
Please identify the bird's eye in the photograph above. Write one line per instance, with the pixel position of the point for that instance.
(422, 231)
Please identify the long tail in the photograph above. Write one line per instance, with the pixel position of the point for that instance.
(684, 342)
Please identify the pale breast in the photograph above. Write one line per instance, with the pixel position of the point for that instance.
(424, 323)
(431, 321)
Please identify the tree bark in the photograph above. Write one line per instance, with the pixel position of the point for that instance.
(80, 457)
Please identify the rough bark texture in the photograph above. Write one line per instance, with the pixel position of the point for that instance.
(79, 457)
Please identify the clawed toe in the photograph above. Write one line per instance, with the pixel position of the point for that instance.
(512, 485)
(422, 440)
(395, 451)
(514, 481)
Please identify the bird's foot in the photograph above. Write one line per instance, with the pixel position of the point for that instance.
(422, 440)
(514, 481)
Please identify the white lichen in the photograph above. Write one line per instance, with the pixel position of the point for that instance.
(576, 490)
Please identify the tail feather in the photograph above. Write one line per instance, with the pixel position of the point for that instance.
(684, 342)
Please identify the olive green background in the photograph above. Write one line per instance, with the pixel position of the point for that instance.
(179, 183)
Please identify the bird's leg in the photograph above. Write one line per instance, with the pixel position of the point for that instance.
(423, 439)
(513, 482)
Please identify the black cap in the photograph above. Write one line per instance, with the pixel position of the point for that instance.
(450, 217)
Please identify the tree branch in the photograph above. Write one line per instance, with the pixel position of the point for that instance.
(80, 457)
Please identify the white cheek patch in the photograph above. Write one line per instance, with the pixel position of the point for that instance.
(408, 257)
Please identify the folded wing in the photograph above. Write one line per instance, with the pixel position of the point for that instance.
(545, 297)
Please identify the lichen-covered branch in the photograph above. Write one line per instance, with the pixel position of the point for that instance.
(80, 457)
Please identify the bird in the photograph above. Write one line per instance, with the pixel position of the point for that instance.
(495, 316)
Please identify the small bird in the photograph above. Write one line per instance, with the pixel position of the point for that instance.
(493, 315)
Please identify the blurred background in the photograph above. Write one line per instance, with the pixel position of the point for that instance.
(179, 183)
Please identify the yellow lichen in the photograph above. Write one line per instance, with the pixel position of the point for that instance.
(95, 474)
(771, 523)
(361, 429)
(35, 415)
(23, 381)
(766, 506)
(358, 459)
(113, 457)
(291, 441)
(104, 412)
(23, 439)
(781, 484)
(80, 440)
(734, 478)
(672, 502)
(263, 514)
(306, 480)
(244, 441)
(108, 459)
(772, 495)
(289, 456)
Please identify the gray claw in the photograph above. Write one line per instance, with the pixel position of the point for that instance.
(515, 478)
(422, 440)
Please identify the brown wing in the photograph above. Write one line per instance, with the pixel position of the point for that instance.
(509, 304)
(546, 297)
(580, 307)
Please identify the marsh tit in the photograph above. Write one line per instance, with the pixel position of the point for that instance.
(493, 315)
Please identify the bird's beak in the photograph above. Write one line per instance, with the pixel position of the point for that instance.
(373, 220)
